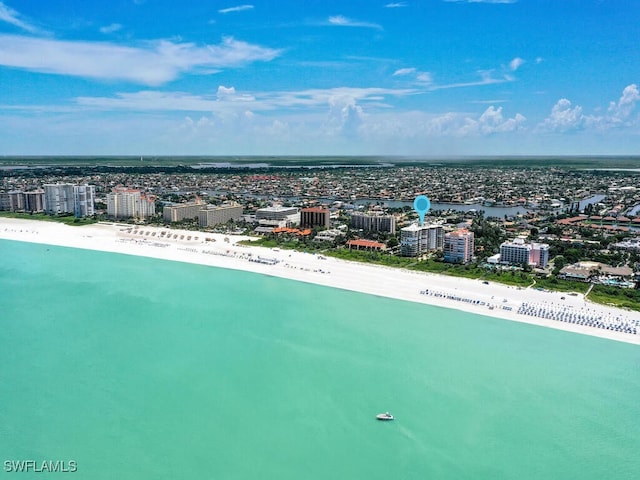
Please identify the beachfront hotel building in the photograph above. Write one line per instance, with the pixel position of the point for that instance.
(373, 222)
(458, 246)
(315, 217)
(518, 252)
(416, 240)
(278, 216)
(130, 203)
(212, 215)
(178, 212)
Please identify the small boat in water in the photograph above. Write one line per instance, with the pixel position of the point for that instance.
(384, 416)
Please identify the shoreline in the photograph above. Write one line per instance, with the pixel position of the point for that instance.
(222, 251)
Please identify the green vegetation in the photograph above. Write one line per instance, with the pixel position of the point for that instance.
(371, 257)
(273, 243)
(509, 277)
(488, 236)
(261, 242)
(618, 297)
(66, 219)
(553, 283)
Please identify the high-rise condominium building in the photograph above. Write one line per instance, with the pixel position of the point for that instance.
(418, 239)
(458, 246)
(68, 198)
(126, 203)
(34, 201)
(373, 222)
(58, 198)
(12, 201)
(84, 197)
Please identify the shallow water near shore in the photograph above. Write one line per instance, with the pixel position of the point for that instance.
(137, 368)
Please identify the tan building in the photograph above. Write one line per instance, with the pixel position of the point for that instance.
(213, 215)
(130, 203)
(182, 211)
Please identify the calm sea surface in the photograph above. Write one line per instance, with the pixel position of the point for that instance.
(145, 369)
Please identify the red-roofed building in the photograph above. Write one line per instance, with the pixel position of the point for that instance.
(292, 231)
(362, 244)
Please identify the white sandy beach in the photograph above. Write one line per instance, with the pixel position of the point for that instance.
(217, 250)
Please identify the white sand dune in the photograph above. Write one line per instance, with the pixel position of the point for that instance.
(571, 313)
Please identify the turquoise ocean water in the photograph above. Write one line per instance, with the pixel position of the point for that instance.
(145, 369)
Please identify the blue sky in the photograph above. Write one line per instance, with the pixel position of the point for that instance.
(318, 77)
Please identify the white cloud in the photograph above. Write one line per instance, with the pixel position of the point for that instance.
(239, 8)
(9, 15)
(622, 110)
(515, 63)
(490, 122)
(486, 78)
(224, 92)
(488, 102)
(345, 116)
(564, 117)
(305, 99)
(424, 77)
(404, 71)
(114, 27)
(153, 63)
(396, 5)
(342, 21)
(416, 126)
(228, 98)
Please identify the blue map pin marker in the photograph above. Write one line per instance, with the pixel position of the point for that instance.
(421, 205)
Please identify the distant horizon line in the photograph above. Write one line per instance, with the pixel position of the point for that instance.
(380, 156)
